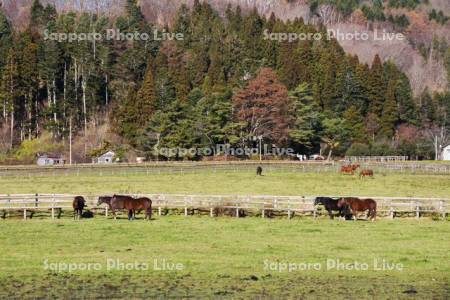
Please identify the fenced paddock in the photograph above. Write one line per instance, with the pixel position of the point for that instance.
(53, 205)
(380, 167)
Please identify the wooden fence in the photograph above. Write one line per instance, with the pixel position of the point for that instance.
(236, 204)
(294, 167)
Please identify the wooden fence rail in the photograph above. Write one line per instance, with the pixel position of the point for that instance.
(290, 166)
(237, 204)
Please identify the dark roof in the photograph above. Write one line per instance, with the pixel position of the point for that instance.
(50, 155)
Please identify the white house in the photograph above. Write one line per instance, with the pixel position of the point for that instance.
(105, 158)
(47, 159)
(446, 153)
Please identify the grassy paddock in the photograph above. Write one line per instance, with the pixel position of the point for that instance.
(225, 257)
(274, 182)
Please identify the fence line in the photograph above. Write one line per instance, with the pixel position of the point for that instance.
(232, 204)
(378, 167)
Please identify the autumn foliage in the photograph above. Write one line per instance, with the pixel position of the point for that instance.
(262, 107)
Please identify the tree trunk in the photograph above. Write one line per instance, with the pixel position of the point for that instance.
(83, 86)
(329, 153)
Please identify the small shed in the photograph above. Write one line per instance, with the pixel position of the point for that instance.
(446, 153)
(50, 159)
(105, 158)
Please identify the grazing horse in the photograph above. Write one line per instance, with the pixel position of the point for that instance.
(78, 205)
(330, 205)
(366, 172)
(355, 166)
(259, 171)
(131, 204)
(349, 169)
(356, 205)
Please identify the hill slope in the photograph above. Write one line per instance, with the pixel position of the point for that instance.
(423, 70)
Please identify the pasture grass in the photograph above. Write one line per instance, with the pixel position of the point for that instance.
(224, 258)
(274, 182)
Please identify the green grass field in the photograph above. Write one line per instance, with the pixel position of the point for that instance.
(226, 182)
(225, 257)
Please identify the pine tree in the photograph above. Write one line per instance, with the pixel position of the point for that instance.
(376, 87)
(146, 101)
(5, 38)
(306, 116)
(389, 117)
(355, 124)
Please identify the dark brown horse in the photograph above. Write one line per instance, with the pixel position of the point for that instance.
(78, 205)
(355, 205)
(129, 203)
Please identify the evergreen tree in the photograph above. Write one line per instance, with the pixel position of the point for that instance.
(354, 121)
(306, 117)
(389, 116)
(146, 101)
(376, 87)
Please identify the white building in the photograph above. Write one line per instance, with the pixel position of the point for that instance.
(446, 153)
(105, 158)
(47, 159)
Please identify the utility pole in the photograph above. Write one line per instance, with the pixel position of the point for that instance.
(260, 141)
(70, 140)
(435, 148)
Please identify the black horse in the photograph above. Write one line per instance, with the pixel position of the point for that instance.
(259, 171)
(78, 205)
(332, 204)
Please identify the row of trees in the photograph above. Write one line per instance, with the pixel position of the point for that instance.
(223, 83)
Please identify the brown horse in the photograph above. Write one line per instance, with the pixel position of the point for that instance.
(366, 172)
(356, 205)
(78, 205)
(131, 204)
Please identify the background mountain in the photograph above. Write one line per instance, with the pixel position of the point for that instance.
(417, 56)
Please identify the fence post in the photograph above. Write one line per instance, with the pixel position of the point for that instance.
(442, 208)
(185, 207)
(36, 200)
(237, 206)
(106, 211)
(314, 209)
(289, 208)
(9, 205)
(391, 210)
(53, 207)
(24, 213)
(417, 210)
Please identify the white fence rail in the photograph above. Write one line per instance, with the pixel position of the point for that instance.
(236, 166)
(234, 204)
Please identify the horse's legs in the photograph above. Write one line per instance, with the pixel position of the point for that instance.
(130, 214)
(330, 213)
